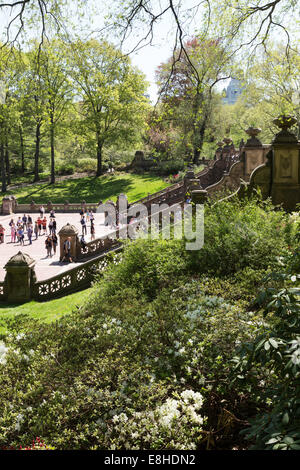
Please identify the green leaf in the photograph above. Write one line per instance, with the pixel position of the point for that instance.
(285, 418)
(273, 342)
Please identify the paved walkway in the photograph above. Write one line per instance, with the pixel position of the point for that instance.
(45, 267)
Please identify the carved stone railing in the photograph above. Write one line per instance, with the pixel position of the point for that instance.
(64, 207)
(78, 278)
(100, 245)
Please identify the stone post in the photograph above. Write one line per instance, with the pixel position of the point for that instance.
(121, 208)
(20, 278)
(69, 231)
(218, 152)
(8, 205)
(199, 196)
(285, 187)
(253, 152)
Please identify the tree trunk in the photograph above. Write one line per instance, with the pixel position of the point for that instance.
(37, 151)
(7, 163)
(2, 166)
(22, 150)
(99, 154)
(200, 139)
(196, 107)
(52, 181)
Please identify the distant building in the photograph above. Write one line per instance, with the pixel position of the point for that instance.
(233, 91)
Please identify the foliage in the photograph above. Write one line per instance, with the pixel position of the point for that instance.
(242, 233)
(277, 352)
(144, 362)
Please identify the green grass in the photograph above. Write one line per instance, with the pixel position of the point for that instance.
(43, 311)
(91, 189)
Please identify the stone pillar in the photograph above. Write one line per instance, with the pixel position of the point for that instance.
(122, 208)
(20, 278)
(199, 196)
(285, 188)
(68, 231)
(253, 152)
(8, 205)
(218, 152)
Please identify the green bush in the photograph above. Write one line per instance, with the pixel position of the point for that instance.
(170, 167)
(269, 365)
(238, 234)
(87, 165)
(65, 169)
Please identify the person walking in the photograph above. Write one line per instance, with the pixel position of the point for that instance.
(67, 250)
(24, 221)
(92, 230)
(39, 224)
(54, 242)
(42, 212)
(50, 226)
(2, 230)
(29, 220)
(54, 226)
(21, 235)
(29, 233)
(36, 230)
(44, 224)
(13, 231)
(83, 224)
(48, 244)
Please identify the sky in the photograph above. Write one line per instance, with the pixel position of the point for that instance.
(147, 59)
(91, 18)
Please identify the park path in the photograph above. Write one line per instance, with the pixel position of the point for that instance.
(45, 267)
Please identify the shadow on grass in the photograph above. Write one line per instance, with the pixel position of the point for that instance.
(90, 189)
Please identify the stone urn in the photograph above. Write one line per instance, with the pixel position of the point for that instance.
(253, 141)
(284, 122)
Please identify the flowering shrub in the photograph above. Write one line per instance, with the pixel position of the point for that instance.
(277, 352)
(176, 423)
(37, 444)
(145, 363)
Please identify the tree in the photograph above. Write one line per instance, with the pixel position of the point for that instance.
(52, 71)
(187, 84)
(112, 93)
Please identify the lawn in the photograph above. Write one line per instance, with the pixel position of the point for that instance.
(91, 189)
(42, 311)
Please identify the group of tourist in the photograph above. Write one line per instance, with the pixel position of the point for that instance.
(85, 217)
(26, 225)
(34, 229)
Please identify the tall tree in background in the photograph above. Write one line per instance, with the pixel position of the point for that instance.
(187, 84)
(112, 94)
(53, 74)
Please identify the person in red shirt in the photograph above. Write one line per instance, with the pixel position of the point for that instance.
(39, 222)
(44, 224)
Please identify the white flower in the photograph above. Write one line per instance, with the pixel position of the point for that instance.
(294, 278)
(20, 336)
(3, 352)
